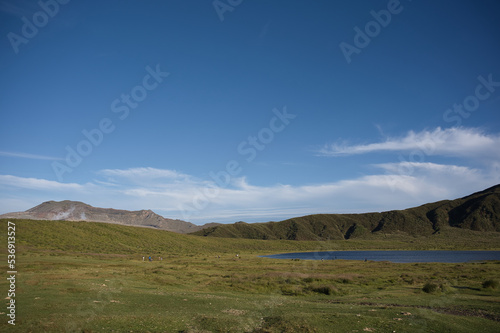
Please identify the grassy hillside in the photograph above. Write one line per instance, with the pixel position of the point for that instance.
(478, 212)
(90, 277)
(105, 238)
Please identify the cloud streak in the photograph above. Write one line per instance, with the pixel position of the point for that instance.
(38, 184)
(29, 156)
(174, 194)
(393, 185)
(454, 142)
(143, 175)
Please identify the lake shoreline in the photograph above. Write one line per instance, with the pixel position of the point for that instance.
(395, 256)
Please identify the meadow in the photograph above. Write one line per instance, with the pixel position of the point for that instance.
(90, 277)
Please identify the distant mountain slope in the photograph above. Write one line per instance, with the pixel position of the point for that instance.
(79, 211)
(479, 211)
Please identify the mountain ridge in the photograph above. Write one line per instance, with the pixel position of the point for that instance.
(479, 211)
(79, 211)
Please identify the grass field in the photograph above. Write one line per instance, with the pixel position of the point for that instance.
(90, 277)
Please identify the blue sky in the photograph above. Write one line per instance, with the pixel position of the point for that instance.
(248, 110)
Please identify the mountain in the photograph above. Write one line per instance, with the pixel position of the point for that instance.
(479, 211)
(79, 211)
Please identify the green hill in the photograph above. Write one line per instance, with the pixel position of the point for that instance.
(478, 212)
(99, 238)
(79, 276)
(90, 277)
(471, 222)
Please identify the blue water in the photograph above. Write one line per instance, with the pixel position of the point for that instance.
(395, 256)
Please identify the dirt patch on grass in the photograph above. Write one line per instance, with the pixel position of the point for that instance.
(209, 296)
(455, 310)
(235, 312)
(458, 311)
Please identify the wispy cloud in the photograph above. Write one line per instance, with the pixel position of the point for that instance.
(177, 195)
(242, 200)
(29, 156)
(37, 184)
(142, 175)
(427, 167)
(457, 142)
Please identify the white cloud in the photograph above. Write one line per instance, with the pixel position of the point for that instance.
(29, 156)
(38, 184)
(413, 167)
(456, 142)
(392, 190)
(176, 195)
(439, 180)
(143, 174)
(391, 186)
(19, 193)
(424, 181)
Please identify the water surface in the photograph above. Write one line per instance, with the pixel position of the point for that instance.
(395, 256)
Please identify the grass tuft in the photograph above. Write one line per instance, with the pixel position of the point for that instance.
(327, 290)
(430, 287)
(491, 284)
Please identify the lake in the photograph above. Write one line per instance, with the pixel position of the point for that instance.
(395, 256)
